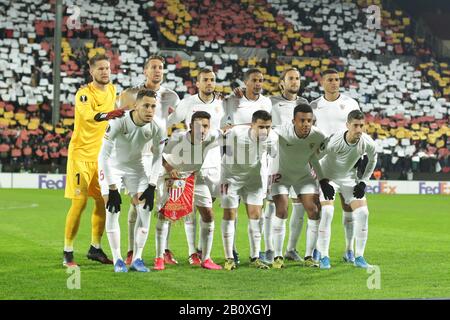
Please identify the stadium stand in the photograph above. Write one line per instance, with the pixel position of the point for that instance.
(403, 89)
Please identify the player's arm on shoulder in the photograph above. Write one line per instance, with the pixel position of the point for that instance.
(179, 115)
(226, 122)
(269, 105)
(171, 99)
(279, 130)
(106, 116)
(175, 100)
(126, 100)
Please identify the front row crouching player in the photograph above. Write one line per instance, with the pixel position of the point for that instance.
(341, 153)
(245, 149)
(299, 143)
(120, 162)
(183, 155)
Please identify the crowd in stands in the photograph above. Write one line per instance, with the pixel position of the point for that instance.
(407, 106)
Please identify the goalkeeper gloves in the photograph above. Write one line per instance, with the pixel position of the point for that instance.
(117, 113)
(327, 189)
(359, 190)
(114, 201)
(149, 196)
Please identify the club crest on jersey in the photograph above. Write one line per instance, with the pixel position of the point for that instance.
(176, 188)
(311, 145)
(83, 98)
(342, 106)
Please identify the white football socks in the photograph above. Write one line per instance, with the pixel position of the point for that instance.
(295, 225)
(132, 217)
(269, 213)
(190, 226)
(278, 233)
(141, 231)
(323, 240)
(228, 237)
(361, 216)
(235, 228)
(311, 236)
(162, 227)
(207, 236)
(166, 242)
(348, 222)
(254, 237)
(113, 232)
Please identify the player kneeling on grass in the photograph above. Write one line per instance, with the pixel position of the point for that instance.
(341, 152)
(246, 148)
(298, 146)
(120, 162)
(183, 156)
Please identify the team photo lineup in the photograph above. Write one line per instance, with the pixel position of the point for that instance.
(224, 150)
(241, 148)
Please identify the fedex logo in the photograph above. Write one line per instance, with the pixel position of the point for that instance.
(48, 183)
(382, 187)
(441, 188)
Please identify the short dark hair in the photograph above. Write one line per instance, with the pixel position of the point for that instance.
(283, 75)
(262, 115)
(302, 107)
(98, 57)
(355, 115)
(249, 72)
(154, 57)
(203, 71)
(144, 92)
(200, 115)
(328, 71)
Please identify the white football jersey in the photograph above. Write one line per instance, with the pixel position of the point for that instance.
(331, 116)
(296, 153)
(341, 157)
(123, 143)
(166, 100)
(283, 109)
(244, 155)
(187, 107)
(186, 157)
(240, 110)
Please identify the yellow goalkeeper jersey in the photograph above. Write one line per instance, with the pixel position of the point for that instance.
(88, 134)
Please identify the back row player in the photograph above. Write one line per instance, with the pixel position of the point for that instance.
(239, 111)
(166, 101)
(331, 111)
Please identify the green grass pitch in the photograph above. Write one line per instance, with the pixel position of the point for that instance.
(408, 240)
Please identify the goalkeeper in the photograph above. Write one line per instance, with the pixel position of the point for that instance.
(94, 104)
